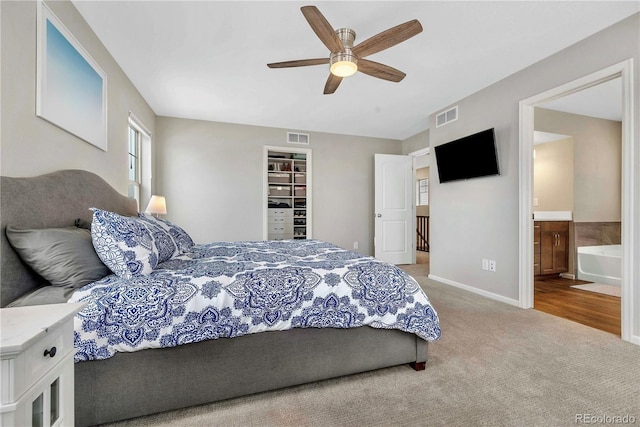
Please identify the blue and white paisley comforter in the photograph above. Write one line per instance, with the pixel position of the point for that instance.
(231, 289)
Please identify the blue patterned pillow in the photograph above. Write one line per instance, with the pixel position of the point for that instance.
(167, 247)
(181, 238)
(124, 244)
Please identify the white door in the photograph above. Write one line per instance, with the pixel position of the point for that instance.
(394, 192)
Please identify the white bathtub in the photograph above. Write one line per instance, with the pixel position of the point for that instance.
(600, 264)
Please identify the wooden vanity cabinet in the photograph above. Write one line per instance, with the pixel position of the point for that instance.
(554, 247)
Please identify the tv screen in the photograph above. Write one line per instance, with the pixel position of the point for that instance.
(469, 157)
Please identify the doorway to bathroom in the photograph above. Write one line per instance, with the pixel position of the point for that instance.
(626, 174)
(577, 180)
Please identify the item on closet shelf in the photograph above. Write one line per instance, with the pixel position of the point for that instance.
(274, 204)
(279, 178)
(279, 191)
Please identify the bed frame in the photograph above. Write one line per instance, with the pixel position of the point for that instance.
(149, 381)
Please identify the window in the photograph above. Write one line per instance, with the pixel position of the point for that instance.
(140, 160)
(422, 192)
(134, 163)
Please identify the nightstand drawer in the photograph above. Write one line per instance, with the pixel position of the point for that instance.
(29, 366)
(57, 344)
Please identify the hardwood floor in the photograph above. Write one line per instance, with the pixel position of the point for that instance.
(556, 296)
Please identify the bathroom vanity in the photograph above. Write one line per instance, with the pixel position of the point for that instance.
(551, 242)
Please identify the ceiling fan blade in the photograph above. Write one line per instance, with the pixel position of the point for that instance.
(388, 38)
(381, 71)
(299, 63)
(322, 28)
(332, 84)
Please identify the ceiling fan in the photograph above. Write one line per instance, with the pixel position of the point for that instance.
(345, 59)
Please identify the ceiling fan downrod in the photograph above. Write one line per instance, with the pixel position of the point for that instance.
(344, 64)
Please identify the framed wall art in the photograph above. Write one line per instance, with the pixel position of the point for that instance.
(71, 89)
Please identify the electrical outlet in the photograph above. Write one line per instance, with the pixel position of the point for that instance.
(485, 264)
(535, 201)
(492, 265)
(355, 245)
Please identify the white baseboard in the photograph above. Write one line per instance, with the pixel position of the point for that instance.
(568, 276)
(484, 293)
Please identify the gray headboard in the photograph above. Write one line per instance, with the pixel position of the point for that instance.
(52, 200)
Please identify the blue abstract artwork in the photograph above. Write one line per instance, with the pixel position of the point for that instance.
(71, 86)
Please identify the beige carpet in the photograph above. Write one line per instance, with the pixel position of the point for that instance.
(600, 289)
(496, 365)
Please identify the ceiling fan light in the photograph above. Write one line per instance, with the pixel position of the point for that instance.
(344, 68)
(343, 64)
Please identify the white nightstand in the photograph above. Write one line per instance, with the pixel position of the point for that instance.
(37, 365)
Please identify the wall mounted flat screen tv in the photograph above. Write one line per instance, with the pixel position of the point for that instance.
(470, 157)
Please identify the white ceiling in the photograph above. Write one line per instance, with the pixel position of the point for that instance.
(540, 137)
(207, 59)
(603, 101)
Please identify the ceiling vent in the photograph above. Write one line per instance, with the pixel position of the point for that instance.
(298, 138)
(451, 115)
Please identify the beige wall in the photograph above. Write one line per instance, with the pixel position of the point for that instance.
(553, 176)
(597, 163)
(30, 145)
(212, 176)
(416, 142)
(484, 213)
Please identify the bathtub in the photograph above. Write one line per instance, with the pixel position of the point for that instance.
(600, 264)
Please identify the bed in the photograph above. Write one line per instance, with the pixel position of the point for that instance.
(113, 382)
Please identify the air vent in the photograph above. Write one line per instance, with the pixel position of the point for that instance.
(451, 115)
(298, 138)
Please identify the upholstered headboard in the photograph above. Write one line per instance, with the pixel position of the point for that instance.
(52, 200)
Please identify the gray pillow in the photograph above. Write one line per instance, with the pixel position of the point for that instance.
(62, 256)
(81, 223)
(44, 295)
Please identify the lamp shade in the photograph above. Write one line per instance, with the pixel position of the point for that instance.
(157, 206)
